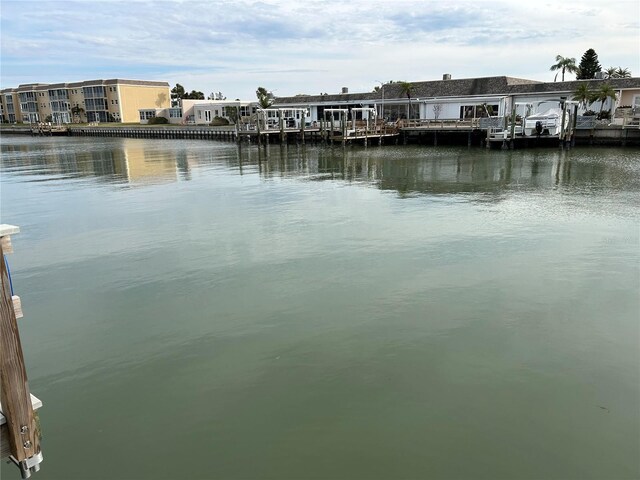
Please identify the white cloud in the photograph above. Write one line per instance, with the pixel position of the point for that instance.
(294, 47)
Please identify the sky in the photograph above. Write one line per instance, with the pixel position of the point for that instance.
(292, 47)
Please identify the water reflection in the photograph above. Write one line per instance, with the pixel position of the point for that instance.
(373, 304)
(408, 170)
(115, 162)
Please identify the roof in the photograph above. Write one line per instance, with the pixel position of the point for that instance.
(465, 87)
(86, 83)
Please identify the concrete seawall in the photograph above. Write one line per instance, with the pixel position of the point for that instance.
(602, 135)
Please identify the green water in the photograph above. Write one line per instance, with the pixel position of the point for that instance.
(197, 311)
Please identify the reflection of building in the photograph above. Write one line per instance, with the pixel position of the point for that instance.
(124, 161)
(145, 165)
(113, 100)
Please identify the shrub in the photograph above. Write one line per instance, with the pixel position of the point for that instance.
(157, 121)
(604, 115)
(589, 113)
(219, 121)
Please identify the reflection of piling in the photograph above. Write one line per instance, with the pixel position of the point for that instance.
(20, 430)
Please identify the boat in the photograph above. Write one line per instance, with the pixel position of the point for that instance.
(548, 122)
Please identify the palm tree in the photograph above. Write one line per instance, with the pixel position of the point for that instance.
(565, 65)
(406, 88)
(610, 72)
(77, 111)
(265, 98)
(605, 92)
(583, 95)
(622, 73)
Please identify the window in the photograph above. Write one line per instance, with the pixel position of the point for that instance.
(478, 111)
(147, 114)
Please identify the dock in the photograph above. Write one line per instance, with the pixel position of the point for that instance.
(48, 129)
(491, 132)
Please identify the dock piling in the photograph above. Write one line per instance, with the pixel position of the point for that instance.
(21, 431)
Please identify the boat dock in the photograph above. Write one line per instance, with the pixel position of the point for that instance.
(48, 129)
(491, 132)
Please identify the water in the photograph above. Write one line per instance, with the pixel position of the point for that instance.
(391, 313)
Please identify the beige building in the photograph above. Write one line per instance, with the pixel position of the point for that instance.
(113, 100)
(10, 105)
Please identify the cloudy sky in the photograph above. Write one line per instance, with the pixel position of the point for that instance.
(307, 46)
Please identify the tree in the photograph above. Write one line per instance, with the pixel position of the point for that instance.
(194, 95)
(77, 111)
(231, 112)
(177, 93)
(265, 98)
(437, 108)
(619, 72)
(610, 72)
(564, 65)
(622, 73)
(605, 92)
(406, 88)
(589, 65)
(583, 95)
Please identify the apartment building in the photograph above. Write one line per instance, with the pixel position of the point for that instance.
(113, 100)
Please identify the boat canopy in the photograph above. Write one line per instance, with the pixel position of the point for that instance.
(550, 113)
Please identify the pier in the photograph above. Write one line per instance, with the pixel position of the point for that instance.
(48, 129)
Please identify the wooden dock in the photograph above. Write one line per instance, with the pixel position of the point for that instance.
(478, 131)
(445, 125)
(47, 129)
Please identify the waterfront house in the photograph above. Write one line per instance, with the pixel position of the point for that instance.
(463, 99)
(203, 112)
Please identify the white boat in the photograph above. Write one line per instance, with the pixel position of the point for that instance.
(548, 122)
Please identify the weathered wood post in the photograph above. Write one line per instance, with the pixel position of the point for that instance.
(562, 124)
(512, 133)
(22, 431)
(574, 123)
(281, 120)
(258, 130)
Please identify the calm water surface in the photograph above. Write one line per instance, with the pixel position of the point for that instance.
(197, 311)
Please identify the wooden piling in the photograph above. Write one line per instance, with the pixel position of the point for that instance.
(22, 431)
